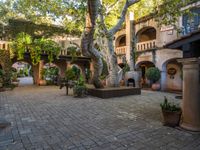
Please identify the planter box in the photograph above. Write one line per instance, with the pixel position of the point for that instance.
(171, 119)
(114, 92)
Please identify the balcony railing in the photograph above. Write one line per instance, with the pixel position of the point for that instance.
(121, 50)
(146, 45)
(4, 45)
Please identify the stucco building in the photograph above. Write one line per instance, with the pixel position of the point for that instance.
(151, 41)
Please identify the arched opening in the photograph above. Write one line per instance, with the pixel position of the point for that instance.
(130, 82)
(172, 75)
(146, 38)
(22, 72)
(143, 66)
(51, 73)
(120, 45)
(1, 66)
(121, 41)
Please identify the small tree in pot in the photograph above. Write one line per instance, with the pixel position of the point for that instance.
(153, 74)
(171, 113)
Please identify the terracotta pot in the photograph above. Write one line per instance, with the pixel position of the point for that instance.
(155, 86)
(170, 118)
(122, 83)
(42, 82)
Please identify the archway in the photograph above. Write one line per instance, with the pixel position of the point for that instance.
(171, 75)
(22, 72)
(51, 73)
(143, 66)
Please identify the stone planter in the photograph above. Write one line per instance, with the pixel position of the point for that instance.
(170, 118)
(155, 86)
(42, 82)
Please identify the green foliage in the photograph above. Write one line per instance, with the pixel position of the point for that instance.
(153, 74)
(43, 73)
(51, 73)
(167, 106)
(74, 52)
(51, 48)
(76, 71)
(70, 75)
(24, 43)
(21, 44)
(80, 87)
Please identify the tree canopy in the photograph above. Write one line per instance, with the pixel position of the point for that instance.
(71, 14)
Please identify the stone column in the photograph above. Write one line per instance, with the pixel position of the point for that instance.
(191, 94)
(41, 65)
(129, 39)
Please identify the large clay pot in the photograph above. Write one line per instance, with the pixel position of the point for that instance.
(170, 118)
(155, 86)
(42, 82)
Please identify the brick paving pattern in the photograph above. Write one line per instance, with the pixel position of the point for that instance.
(43, 118)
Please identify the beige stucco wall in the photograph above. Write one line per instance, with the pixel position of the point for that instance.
(175, 82)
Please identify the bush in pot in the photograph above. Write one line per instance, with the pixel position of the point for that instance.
(153, 74)
(171, 113)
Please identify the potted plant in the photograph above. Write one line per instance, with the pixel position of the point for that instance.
(80, 88)
(153, 74)
(42, 80)
(171, 113)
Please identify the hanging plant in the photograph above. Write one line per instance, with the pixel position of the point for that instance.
(74, 52)
(51, 48)
(24, 43)
(21, 44)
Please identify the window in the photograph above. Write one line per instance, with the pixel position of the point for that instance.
(191, 22)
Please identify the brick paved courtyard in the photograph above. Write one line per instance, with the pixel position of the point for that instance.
(44, 118)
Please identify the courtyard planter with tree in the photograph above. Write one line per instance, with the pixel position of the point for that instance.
(153, 74)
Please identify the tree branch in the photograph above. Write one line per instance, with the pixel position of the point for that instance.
(122, 16)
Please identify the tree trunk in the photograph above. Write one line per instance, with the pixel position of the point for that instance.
(87, 44)
(113, 65)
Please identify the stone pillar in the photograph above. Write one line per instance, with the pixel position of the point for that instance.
(191, 94)
(35, 74)
(129, 39)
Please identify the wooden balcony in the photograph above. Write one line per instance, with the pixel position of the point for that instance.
(121, 50)
(146, 45)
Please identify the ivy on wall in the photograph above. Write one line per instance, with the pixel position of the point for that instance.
(6, 64)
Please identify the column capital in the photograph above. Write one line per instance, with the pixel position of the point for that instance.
(188, 61)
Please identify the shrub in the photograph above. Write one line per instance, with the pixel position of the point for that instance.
(80, 88)
(70, 75)
(153, 74)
